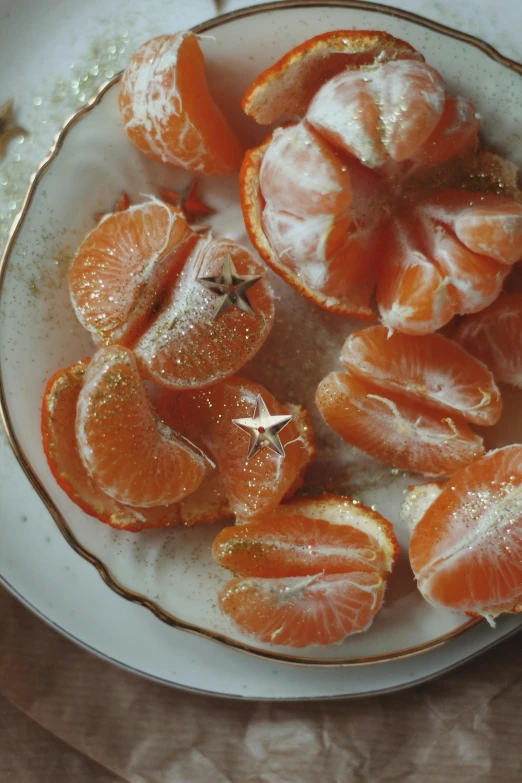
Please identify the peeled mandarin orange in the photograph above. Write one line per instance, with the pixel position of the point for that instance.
(303, 611)
(254, 487)
(430, 369)
(432, 258)
(207, 504)
(168, 112)
(186, 347)
(495, 337)
(124, 267)
(405, 433)
(326, 535)
(127, 450)
(286, 88)
(466, 550)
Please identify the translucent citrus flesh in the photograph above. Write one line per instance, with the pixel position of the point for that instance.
(186, 347)
(127, 450)
(395, 429)
(124, 267)
(207, 504)
(431, 369)
(495, 337)
(466, 550)
(256, 486)
(328, 535)
(168, 111)
(303, 611)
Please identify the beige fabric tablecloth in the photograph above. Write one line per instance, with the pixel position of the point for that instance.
(66, 715)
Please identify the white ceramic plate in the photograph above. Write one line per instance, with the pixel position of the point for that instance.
(75, 185)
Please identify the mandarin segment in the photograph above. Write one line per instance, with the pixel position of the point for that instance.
(207, 504)
(186, 347)
(495, 337)
(256, 486)
(466, 551)
(168, 112)
(303, 611)
(405, 433)
(127, 450)
(327, 535)
(124, 267)
(431, 369)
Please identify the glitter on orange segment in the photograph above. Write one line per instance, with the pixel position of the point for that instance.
(431, 369)
(303, 611)
(168, 111)
(207, 504)
(389, 426)
(127, 450)
(326, 535)
(466, 551)
(495, 337)
(125, 266)
(185, 347)
(256, 486)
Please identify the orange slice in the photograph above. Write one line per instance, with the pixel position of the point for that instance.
(380, 114)
(123, 268)
(466, 551)
(168, 112)
(327, 535)
(431, 369)
(458, 126)
(132, 455)
(254, 487)
(287, 87)
(186, 347)
(495, 337)
(303, 611)
(402, 432)
(207, 504)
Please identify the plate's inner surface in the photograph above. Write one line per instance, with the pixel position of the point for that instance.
(39, 333)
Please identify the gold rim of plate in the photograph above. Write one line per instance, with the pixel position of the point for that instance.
(61, 522)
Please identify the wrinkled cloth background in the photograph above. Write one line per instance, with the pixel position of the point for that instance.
(66, 716)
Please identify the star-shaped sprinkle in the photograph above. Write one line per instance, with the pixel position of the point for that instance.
(189, 202)
(263, 429)
(8, 127)
(121, 205)
(231, 288)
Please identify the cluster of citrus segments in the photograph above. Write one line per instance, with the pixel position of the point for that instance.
(408, 400)
(168, 112)
(135, 282)
(348, 197)
(115, 455)
(466, 543)
(310, 572)
(495, 337)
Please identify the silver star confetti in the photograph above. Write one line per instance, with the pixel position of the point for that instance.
(231, 287)
(263, 429)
